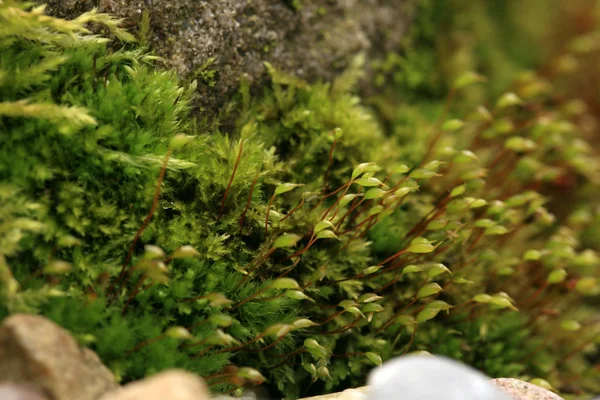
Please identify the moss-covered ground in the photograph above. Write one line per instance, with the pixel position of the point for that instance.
(325, 229)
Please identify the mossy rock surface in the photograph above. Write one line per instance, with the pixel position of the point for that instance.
(221, 42)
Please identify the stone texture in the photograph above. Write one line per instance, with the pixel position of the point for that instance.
(36, 351)
(315, 39)
(348, 394)
(168, 385)
(10, 391)
(418, 377)
(434, 378)
(520, 390)
(259, 392)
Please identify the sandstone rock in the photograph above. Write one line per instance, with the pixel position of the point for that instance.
(220, 41)
(251, 393)
(36, 351)
(417, 377)
(348, 394)
(169, 385)
(10, 391)
(520, 390)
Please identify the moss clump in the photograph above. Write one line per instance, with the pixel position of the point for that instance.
(304, 245)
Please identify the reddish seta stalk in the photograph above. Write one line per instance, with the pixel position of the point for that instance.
(249, 200)
(138, 234)
(300, 204)
(235, 167)
(329, 165)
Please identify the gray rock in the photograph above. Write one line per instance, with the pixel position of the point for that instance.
(168, 385)
(520, 390)
(36, 351)
(417, 377)
(10, 391)
(309, 38)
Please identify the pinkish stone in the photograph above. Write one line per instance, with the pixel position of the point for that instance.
(9, 391)
(168, 385)
(521, 390)
(35, 351)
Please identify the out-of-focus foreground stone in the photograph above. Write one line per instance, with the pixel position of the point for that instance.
(260, 392)
(348, 394)
(9, 391)
(35, 351)
(417, 377)
(520, 390)
(219, 42)
(169, 385)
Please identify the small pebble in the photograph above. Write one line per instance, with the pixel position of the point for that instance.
(9, 391)
(167, 385)
(419, 377)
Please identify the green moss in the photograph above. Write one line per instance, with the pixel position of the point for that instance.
(295, 5)
(125, 220)
(206, 75)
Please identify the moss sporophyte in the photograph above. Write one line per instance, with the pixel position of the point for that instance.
(312, 239)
